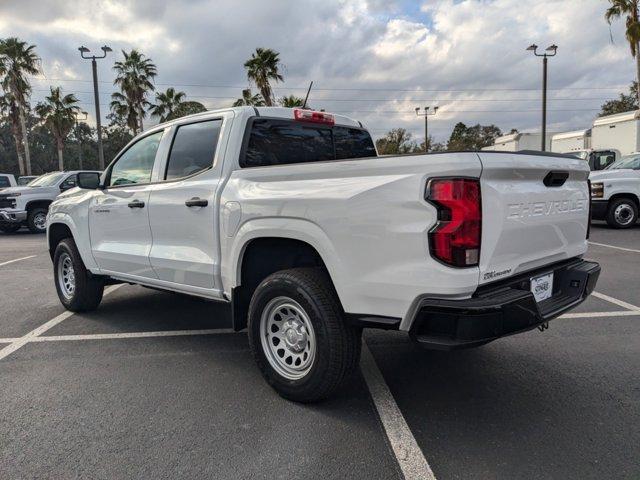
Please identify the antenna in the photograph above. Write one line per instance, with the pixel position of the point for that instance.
(304, 105)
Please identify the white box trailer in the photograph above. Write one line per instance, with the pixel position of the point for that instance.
(620, 131)
(516, 142)
(571, 141)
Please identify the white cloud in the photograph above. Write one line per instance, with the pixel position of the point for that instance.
(456, 54)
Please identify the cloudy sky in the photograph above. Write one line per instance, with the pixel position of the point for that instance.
(374, 60)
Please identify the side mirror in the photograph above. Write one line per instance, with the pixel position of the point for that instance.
(89, 180)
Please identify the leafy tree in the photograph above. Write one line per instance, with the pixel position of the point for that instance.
(396, 142)
(473, 138)
(432, 144)
(624, 103)
(17, 60)
(628, 9)
(10, 114)
(187, 108)
(262, 67)
(134, 77)
(166, 103)
(249, 99)
(57, 113)
(291, 101)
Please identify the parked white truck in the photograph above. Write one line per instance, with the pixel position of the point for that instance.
(578, 143)
(28, 205)
(615, 193)
(516, 142)
(289, 217)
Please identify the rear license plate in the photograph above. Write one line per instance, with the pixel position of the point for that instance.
(542, 287)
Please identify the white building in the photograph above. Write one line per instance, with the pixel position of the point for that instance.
(620, 131)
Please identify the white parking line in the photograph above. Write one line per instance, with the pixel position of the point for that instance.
(29, 337)
(613, 246)
(624, 313)
(615, 301)
(116, 336)
(17, 260)
(405, 448)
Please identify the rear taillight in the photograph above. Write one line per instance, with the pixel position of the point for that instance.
(314, 117)
(589, 187)
(455, 239)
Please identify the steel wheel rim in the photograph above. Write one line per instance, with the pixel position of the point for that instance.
(66, 276)
(287, 337)
(623, 214)
(40, 221)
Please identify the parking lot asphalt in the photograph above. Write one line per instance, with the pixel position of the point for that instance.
(154, 385)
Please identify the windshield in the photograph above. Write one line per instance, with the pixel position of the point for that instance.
(47, 180)
(630, 162)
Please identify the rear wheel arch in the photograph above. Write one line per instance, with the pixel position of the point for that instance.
(631, 196)
(263, 256)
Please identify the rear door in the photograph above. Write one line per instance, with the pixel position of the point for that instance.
(182, 212)
(534, 212)
(119, 214)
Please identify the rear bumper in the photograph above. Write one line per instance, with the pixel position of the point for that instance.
(501, 309)
(599, 209)
(12, 216)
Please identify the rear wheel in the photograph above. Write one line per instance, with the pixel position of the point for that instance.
(77, 289)
(37, 220)
(298, 335)
(622, 213)
(9, 228)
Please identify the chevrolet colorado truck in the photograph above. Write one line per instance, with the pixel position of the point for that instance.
(615, 192)
(290, 218)
(28, 204)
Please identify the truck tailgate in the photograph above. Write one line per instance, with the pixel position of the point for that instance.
(527, 222)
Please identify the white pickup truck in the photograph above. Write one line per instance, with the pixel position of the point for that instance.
(615, 192)
(290, 218)
(28, 205)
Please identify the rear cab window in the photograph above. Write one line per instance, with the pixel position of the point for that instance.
(282, 141)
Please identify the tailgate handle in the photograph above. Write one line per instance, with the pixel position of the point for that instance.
(556, 179)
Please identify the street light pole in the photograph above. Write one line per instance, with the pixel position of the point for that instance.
(79, 138)
(553, 49)
(84, 50)
(426, 114)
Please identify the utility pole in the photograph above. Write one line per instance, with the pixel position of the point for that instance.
(552, 50)
(426, 114)
(79, 138)
(84, 50)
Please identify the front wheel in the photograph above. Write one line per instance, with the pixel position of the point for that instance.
(622, 213)
(299, 337)
(37, 220)
(78, 290)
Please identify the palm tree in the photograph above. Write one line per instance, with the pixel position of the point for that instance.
(17, 60)
(135, 78)
(249, 99)
(124, 110)
(57, 113)
(167, 103)
(291, 101)
(629, 9)
(262, 67)
(9, 112)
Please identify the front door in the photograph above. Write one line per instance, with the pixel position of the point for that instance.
(119, 214)
(182, 209)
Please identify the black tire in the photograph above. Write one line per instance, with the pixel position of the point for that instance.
(338, 344)
(33, 220)
(622, 213)
(88, 289)
(10, 228)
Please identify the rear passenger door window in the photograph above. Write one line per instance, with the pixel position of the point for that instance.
(193, 150)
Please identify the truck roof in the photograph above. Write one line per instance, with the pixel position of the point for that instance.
(271, 112)
(572, 134)
(617, 118)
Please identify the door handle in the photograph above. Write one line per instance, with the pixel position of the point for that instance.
(196, 202)
(136, 204)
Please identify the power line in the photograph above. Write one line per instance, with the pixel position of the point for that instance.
(363, 89)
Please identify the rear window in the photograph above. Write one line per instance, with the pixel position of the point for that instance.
(281, 142)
